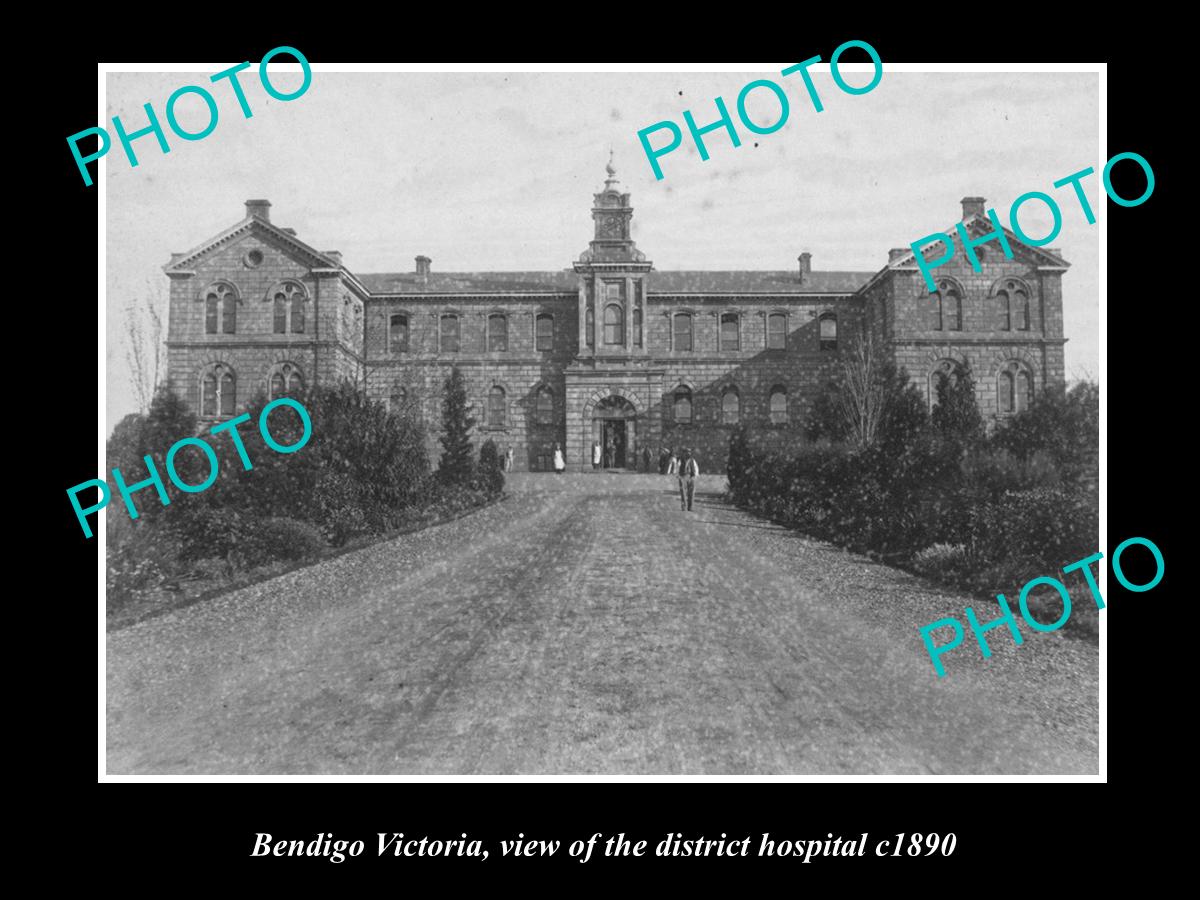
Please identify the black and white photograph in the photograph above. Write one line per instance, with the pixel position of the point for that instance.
(464, 429)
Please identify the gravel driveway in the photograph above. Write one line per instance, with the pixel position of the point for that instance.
(586, 625)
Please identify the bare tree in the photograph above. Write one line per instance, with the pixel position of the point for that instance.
(863, 397)
(144, 340)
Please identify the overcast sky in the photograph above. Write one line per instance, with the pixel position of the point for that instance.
(490, 171)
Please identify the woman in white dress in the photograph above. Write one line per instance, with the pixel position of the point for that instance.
(560, 464)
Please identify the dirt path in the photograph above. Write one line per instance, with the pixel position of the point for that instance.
(587, 625)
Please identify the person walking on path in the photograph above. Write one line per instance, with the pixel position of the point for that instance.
(508, 459)
(673, 464)
(595, 454)
(689, 471)
(560, 464)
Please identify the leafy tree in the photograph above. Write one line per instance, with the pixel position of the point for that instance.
(457, 463)
(956, 414)
(1063, 424)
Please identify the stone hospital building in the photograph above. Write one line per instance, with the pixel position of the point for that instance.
(608, 349)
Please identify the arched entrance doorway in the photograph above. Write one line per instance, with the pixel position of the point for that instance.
(614, 425)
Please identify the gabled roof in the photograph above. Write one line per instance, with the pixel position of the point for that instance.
(976, 223)
(314, 258)
(566, 281)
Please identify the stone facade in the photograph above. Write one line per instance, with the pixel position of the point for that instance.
(610, 350)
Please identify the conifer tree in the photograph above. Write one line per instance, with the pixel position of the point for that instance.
(957, 413)
(457, 463)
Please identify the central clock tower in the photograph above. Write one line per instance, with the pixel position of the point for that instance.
(612, 281)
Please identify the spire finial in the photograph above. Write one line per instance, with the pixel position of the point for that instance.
(609, 168)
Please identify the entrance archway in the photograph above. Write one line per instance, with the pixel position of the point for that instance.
(614, 426)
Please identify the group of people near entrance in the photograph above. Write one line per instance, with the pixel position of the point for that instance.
(683, 466)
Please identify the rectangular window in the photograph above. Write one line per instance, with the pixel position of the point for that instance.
(545, 333)
(229, 316)
(497, 334)
(297, 315)
(398, 334)
(683, 332)
(729, 332)
(449, 334)
(777, 331)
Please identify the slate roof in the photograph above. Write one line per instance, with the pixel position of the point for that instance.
(566, 281)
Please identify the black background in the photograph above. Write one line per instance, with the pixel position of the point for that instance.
(1006, 832)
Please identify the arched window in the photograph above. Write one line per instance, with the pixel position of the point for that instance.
(1021, 309)
(398, 334)
(589, 327)
(777, 331)
(496, 407)
(682, 324)
(285, 381)
(614, 320)
(545, 332)
(829, 331)
(448, 334)
(948, 312)
(1004, 308)
(1014, 388)
(497, 333)
(730, 338)
(212, 305)
(1012, 304)
(220, 299)
(218, 391)
(289, 304)
(637, 326)
(543, 407)
(947, 367)
(683, 404)
(779, 407)
(731, 406)
(398, 399)
(1024, 395)
(1005, 387)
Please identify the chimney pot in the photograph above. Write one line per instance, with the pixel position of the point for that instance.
(260, 209)
(423, 263)
(805, 264)
(973, 206)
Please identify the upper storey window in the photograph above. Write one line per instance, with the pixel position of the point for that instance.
(777, 331)
(614, 325)
(829, 331)
(497, 332)
(448, 334)
(948, 311)
(730, 337)
(682, 324)
(398, 333)
(545, 332)
(288, 299)
(220, 306)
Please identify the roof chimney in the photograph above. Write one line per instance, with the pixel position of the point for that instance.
(805, 265)
(335, 255)
(972, 207)
(898, 253)
(259, 209)
(423, 265)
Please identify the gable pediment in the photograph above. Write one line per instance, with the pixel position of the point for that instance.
(979, 225)
(264, 231)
